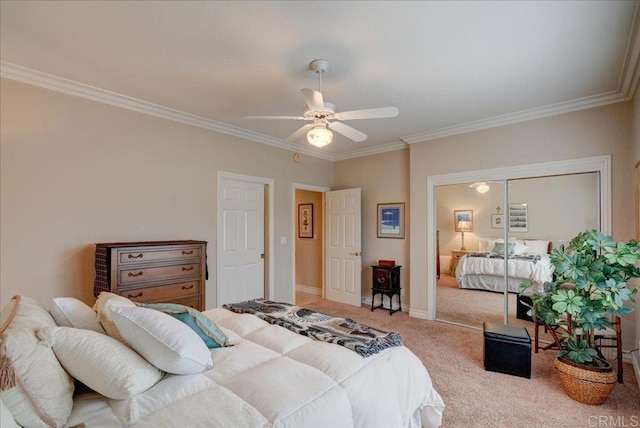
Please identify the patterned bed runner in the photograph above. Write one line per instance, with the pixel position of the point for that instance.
(534, 258)
(360, 338)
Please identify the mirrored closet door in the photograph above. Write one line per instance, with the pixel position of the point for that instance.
(481, 277)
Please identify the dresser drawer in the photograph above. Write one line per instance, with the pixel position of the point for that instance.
(162, 292)
(156, 273)
(192, 303)
(126, 257)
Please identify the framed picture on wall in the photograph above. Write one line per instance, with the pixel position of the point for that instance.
(463, 220)
(518, 218)
(305, 221)
(497, 221)
(391, 220)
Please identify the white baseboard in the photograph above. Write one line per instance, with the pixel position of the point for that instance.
(309, 289)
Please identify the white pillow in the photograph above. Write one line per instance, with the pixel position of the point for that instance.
(100, 362)
(485, 245)
(164, 341)
(537, 246)
(6, 418)
(41, 394)
(519, 248)
(105, 302)
(70, 312)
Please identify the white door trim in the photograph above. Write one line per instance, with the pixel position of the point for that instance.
(294, 213)
(601, 164)
(270, 183)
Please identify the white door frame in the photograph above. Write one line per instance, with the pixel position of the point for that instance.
(294, 210)
(269, 227)
(601, 164)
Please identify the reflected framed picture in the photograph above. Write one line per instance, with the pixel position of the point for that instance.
(305, 221)
(391, 220)
(518, 218)
(463, 220)
(497, 221)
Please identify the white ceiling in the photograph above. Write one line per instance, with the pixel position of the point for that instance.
(449, 67)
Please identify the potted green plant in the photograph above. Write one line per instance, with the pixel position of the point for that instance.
(590, 287)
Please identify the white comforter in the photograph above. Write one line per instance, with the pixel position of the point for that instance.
(539, 272)
(273, 377)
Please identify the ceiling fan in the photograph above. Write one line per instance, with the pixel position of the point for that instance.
(324, 116)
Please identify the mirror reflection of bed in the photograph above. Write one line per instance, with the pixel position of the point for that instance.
(557, 208)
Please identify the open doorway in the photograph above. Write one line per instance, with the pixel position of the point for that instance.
(308, 245)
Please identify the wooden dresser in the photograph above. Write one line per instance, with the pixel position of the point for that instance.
(150, 272)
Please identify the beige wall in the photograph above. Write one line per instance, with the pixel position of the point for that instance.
(75, 172)
(599, 131)
(309, 251)
(383, 178)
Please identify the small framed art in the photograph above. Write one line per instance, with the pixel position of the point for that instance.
(497, 221)
(518, 218)
(391, 220)
(305, 221)
(463, 220)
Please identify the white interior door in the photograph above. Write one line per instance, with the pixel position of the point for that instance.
(342, 245)
(240, 273)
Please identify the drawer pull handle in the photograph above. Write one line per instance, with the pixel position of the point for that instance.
(139, 256)
(185, 269)
(187, 253)
(131, 274)
(187, 288)
(131, 296)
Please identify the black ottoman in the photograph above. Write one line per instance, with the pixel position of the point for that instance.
(507, 349)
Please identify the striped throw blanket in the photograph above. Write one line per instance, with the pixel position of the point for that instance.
(359, 338)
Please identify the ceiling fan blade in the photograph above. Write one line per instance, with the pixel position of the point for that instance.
(348, 131)
(371, 113)
(300, 132)
(313, 98)
(277, 117)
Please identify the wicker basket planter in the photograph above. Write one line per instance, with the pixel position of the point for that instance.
(588, 385)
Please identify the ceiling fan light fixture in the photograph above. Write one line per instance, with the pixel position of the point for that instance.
(319, 136)
(480, 186)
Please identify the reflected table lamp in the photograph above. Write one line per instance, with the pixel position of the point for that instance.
(461, 227)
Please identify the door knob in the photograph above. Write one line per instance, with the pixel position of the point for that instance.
(357, 253)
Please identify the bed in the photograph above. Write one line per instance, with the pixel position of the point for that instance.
(269, 377)
(528, 261)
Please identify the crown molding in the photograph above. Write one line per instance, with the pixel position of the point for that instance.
(521, 116)
(371, 151)
(70, 87)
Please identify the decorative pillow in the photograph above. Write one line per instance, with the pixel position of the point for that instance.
(537, 246)
(35, 388)
(100, 362)
(164, 341)
(105, 302)
(204, 327)
(70, 312)
(498, 248)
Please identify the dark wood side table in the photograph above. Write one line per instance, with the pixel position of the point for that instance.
(386, 282)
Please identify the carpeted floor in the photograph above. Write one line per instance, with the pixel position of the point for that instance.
(477, 398)
(473, 307)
